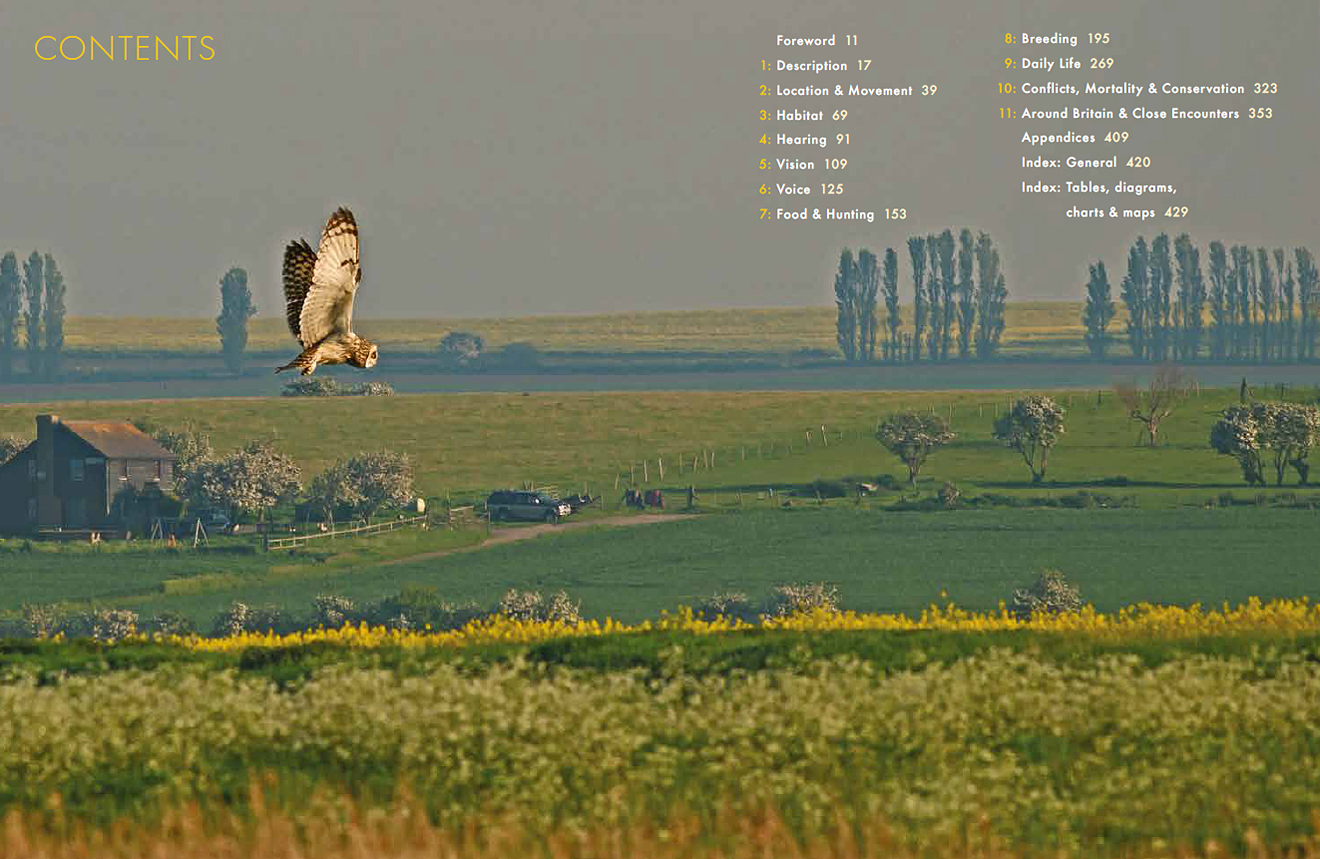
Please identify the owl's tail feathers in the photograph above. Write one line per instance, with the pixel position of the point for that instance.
(305, 362)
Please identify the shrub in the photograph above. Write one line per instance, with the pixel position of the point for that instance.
(39, 621)
(370, 389)
(1080, 500)
(320, 387)
(795, 598)
(169, 623)
(240, 618)
(231, 621)
(460, 348)
(820, 487)
(1050, 594)
(730, 604)
(530, 606)
(112, 624)
(10, 445)
(331, 611)
(419, 607)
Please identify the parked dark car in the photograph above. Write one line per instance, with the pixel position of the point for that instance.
(526, 505)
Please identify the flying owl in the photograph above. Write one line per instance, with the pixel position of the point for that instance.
(318, 290)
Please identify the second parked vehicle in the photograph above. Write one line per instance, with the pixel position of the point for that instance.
(526, 505)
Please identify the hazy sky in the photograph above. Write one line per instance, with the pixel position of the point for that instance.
(516, 158)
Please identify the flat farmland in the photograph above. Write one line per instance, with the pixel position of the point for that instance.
(1030, 325)
(464, 445)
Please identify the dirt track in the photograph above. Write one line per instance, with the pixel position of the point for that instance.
(513, 535)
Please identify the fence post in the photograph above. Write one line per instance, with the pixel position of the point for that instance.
(660, 463)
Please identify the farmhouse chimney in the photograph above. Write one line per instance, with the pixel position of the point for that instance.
(48, 504)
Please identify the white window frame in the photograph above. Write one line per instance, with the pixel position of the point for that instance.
(77, 470)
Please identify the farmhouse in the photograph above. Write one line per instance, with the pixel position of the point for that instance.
(83, 474)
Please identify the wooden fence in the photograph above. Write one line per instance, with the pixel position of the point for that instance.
(462, 517)
(272, 543)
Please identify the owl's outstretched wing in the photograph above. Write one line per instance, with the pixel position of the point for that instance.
(299, 261)
(328, 305)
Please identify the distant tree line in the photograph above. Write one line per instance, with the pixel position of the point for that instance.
(41, 289)
(958, 293)
(1262, 304)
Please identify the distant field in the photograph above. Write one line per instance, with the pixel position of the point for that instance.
(1031, 325)
(467, 444)
(882, 562)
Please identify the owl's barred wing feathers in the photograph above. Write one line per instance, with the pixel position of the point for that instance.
(299, 261)
(327, 307)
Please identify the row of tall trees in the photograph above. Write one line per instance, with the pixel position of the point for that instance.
(1263, 305)
(37, 298)
(959, 296)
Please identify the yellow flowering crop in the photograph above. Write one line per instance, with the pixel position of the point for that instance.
(1140, 621)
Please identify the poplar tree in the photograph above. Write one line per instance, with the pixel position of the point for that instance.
(236, 309)
(53, 317)
(11, 306)
(1268, 304)
(1135, 296)
(867, 290)
(966, 297)
(1308, 293)
(1191, 298)
(991, 297)
(1218, 296)
(1288, 303)
(917, 251)
(934, 285)
(893, 321)
(1161, 275)
(844, 299)
(1099, 311)
(1237, 303)
(33, 285)
(948, 286)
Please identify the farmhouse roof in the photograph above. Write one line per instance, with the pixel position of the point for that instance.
(118, 440)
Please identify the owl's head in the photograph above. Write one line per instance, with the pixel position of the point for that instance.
(364, 354)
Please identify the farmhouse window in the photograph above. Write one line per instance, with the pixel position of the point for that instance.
(32, 508)
(158, 469)
(32, 469)
(123, 469)
(76, 469)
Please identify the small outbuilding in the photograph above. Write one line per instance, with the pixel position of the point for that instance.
(83, 474)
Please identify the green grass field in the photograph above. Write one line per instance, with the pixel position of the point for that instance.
(468, 444)
(1164, 546)
(881, 562)
(1030, 326)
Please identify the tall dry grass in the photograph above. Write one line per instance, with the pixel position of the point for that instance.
(338, 828)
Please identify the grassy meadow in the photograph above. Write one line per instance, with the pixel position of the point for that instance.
(895, 563)
(465, 445)
(1179, 508)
